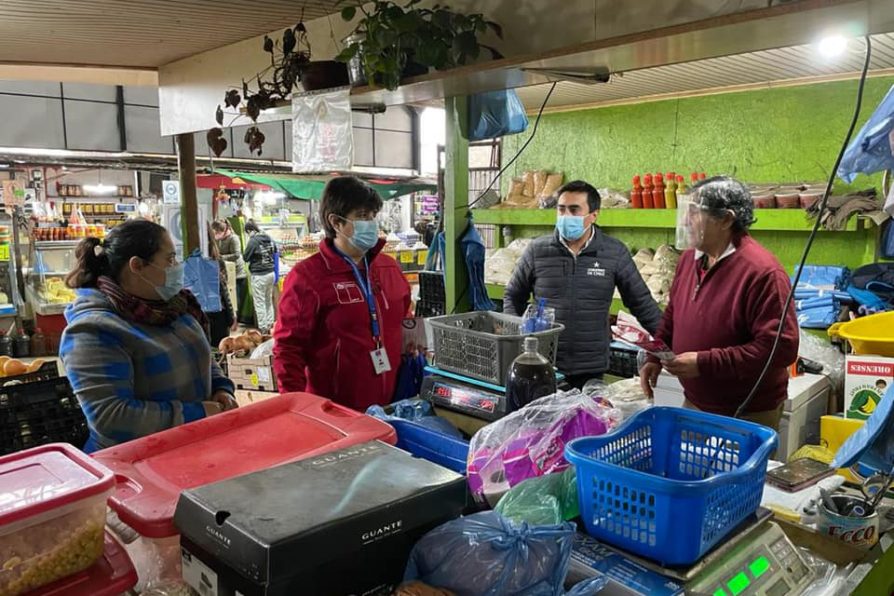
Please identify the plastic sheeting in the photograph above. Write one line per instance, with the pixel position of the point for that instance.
(871, 149)
(496, 114)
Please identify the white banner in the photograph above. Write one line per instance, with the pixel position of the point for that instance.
(322, 135)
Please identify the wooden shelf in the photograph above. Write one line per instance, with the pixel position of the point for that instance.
(786, 220)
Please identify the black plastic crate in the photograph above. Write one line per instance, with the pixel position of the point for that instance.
(622, 362)
(40, 412)
(425, 309)
(431, 287)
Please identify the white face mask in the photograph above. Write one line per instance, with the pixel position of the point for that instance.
(173, 281)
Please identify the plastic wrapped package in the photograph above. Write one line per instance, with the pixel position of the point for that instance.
(813, 348)
(626, 396)
(830, 579)
(487, 554)
(168, 588)
(612, 199)
(543, 501)
(499, 266)
(263, 350)
(531, 441)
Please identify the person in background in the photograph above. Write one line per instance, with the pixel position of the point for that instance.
(339, 333)
(576, 269)
(260, 254)
(136, 346)
(230, 247)
(223, 321)
(725, 307)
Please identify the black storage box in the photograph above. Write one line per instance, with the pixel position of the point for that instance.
(340, 523)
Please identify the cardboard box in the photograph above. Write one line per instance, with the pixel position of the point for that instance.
(865, 381)
(339, 523)
(252, 374)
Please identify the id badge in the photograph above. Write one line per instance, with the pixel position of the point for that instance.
(381, 364)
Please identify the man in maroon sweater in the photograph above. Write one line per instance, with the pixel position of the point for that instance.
(725, 305)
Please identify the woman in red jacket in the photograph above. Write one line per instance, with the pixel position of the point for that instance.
(338, 334)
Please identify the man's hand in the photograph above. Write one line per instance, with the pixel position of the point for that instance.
(211, 408)
(683, 366)
(226, 401)
(648, 377)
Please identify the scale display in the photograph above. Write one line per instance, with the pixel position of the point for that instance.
(765, 565)
(460, 397)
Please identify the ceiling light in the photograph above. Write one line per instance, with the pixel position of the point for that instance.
(832, 46)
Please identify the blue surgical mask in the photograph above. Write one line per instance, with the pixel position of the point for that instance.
(366, 234)
(173, 281)
(570, 227)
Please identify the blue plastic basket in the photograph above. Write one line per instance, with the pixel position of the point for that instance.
(670, 483)
(431, 445)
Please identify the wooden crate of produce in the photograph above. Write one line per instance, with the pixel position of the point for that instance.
(252, 374)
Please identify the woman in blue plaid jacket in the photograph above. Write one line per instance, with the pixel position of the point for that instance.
(136, 346)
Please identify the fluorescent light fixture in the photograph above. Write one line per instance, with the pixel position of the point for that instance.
(100, 189)
(832, 46)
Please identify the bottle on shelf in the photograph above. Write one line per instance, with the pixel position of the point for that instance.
(693, 178)
(702, 176)
(658, 191)
(5, 345)
(648, 202)
(636, 195)
(531, 377)
(681, 186)
(38, 343)
(21, 347)
(670, 192)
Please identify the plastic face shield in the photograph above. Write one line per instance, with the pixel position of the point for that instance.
(690, 222)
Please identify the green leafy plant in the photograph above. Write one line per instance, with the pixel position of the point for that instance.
(390, 36)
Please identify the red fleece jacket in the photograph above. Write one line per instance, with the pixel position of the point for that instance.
(323, 335)
(730, 319)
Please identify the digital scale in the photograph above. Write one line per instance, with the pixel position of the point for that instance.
(758, 559)
(464, 395)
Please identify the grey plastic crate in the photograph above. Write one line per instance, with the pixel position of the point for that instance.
(482, 345)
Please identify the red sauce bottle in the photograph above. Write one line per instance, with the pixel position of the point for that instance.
(658, 191)
(648, 203)
(636, 195)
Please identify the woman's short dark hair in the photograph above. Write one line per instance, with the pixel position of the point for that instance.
(594, 201)
(343, 195)
(134, 238)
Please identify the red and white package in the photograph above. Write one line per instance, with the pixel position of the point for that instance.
(628, 330)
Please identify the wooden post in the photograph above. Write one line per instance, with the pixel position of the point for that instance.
(456, 203)
(189, 204)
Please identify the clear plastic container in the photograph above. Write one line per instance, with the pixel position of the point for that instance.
(52, 514)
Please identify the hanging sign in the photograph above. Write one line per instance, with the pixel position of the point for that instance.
(322, 134)
(171, 192)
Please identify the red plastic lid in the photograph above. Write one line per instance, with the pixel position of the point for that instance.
(112, 574)
(151, 472)
(44, 478)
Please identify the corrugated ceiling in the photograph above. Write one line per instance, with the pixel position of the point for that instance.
(763, 67)
(138, 33)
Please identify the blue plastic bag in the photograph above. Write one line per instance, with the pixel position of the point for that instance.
(823, 277)
(487, 554)
(415, 410)
(201, 276)
(871, 150)
(474, 253)
(495, 114)
(873, 443)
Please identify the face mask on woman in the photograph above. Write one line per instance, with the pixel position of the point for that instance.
(173, 281)
(366, 233)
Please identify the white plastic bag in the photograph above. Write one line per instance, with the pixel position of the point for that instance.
(322, 134)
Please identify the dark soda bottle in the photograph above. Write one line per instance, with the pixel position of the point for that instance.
(531, 377)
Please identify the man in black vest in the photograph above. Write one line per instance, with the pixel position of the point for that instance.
(576, 269)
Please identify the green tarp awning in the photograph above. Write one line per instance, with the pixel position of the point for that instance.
(311, 187)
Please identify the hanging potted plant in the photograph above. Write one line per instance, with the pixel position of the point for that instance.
(291, 69)
(392, 42)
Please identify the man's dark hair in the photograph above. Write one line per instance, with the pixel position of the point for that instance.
(343, 195)
(720, 194)
(594, 201)
(251, 227)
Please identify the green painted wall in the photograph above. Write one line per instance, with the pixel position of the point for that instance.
(772, 135)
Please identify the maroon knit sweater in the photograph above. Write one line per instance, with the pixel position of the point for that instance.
(729, 315)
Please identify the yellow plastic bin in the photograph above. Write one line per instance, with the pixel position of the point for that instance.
(868, 335)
